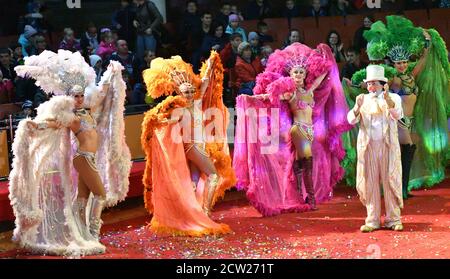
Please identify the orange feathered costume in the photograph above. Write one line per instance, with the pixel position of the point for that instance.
(168, 192)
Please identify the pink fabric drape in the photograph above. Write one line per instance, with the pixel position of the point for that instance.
(268, 179)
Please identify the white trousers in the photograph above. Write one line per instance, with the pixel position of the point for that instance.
(376, 173)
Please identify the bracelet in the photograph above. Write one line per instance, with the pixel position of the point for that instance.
(42, 125)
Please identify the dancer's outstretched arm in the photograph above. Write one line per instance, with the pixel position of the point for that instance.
(317, 82)
(206, 78)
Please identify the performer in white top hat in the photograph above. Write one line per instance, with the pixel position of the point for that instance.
(379, 160)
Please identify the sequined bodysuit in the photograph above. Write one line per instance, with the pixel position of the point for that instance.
(306, 129)
(87, 122)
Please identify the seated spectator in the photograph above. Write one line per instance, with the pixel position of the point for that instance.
(69, 42)
(262, 28)
(215, 40)
(359, 41)
(6, 65)
(293, 37)
(353, 63)
(247, 68)
(257, 9)
(334, 42)
(290, 10)
(266, 51)
(228, 57)
(233, 27)
(138, 96)
(96, 62)
(26, 39)
(125, 57)
(38, 45)
(224, 14)
(316, 9)
(18, 58)
(230, 51)
(107, 45)
(339, 8)
(234, 10)
(122, 20)
(89, 40)
(253, 39)
(6, 89)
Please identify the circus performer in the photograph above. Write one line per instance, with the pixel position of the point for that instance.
(378, 151)
(296, 146)
(61, 181)
(353, 88)
(423, 132)
(188, 163)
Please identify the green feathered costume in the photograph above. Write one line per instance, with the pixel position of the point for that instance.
(431, 110)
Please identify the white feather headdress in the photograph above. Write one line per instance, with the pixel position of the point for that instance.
(58, 73)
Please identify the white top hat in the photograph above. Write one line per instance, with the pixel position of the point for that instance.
(375, 72)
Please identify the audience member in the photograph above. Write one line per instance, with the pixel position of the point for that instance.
(262, 28)
(233, 27)
(257, 9)
(147, 22)
(247, 68)
(353, 63)
(69, 41)
(334, 42)
(107, 45)
(316, 9)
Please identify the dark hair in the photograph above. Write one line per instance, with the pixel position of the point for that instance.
(117, 42)
(329, 34)
(353, 49)
(4, 50)
(214, 26)
(205, 13)
(235, 35)
(288, 40)
(191, 1)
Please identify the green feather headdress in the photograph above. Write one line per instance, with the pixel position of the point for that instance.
(398, 39)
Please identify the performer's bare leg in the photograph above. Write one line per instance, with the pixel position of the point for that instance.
(89, 177)
(206, 166)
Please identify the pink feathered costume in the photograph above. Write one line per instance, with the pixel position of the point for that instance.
(268, 179)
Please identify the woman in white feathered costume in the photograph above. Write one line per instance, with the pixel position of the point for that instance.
(51, 196)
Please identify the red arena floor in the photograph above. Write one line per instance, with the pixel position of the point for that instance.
(330, 232)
